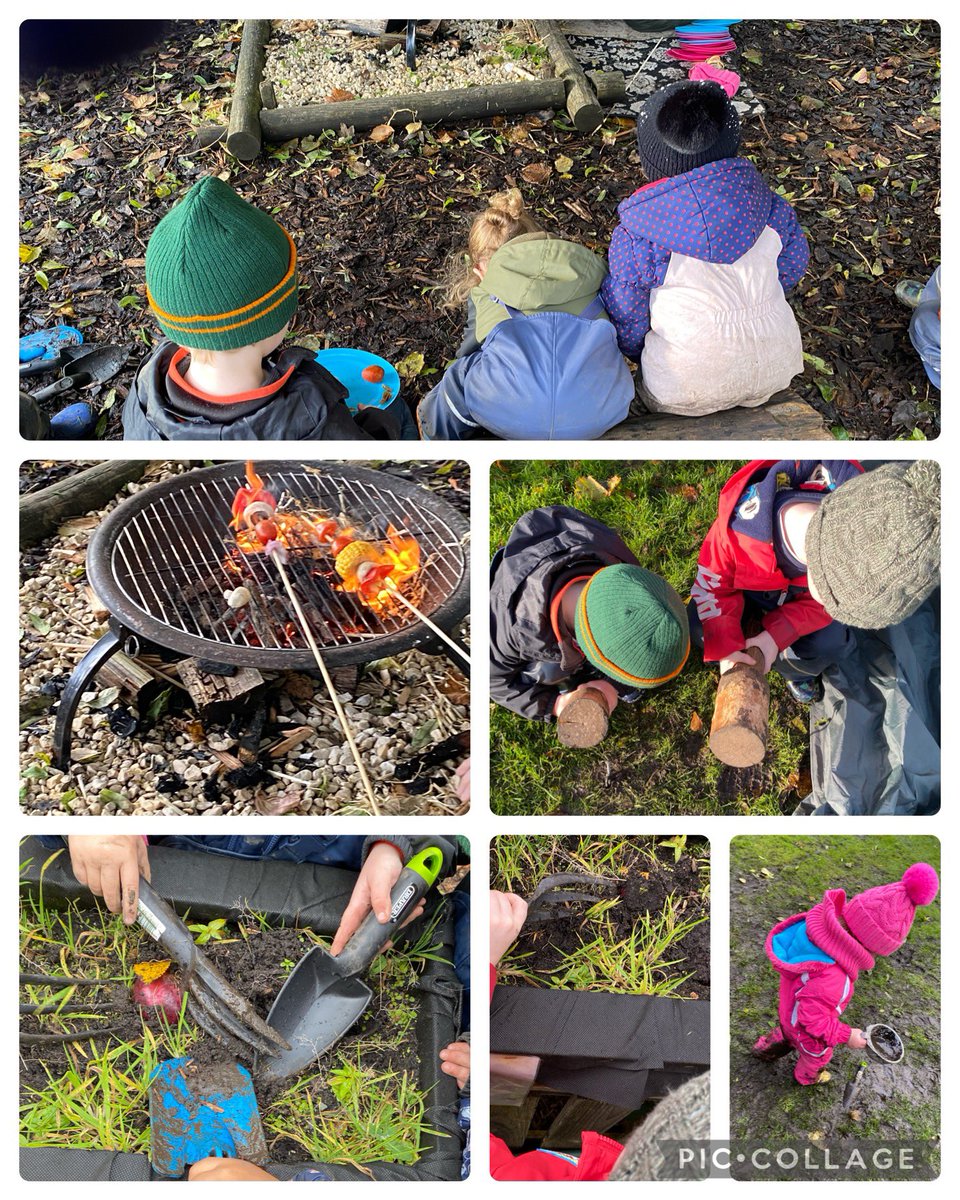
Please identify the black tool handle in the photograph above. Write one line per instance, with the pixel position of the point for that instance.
(413, 883)
(63, 384)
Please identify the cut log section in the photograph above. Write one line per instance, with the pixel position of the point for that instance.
(42, 513)
(459, 104)
(738, 735)
(124, 673)
(208, 690)
(243, 132)
(582, 102)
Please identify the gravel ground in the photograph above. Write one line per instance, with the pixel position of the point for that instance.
(307, 60)
(398, 708)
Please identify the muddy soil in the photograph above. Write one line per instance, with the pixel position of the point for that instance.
(645, 885)
(257, 966)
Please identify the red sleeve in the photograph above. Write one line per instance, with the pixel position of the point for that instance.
(719, 603)
(594, 1163)
(795, 619)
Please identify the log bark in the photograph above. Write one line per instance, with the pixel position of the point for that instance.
(243, 132)
(208, 690)
(577, 1115)
(303, 120)
(268, 94)
(738, 734)
(790, 419)
(583, 105)
(41, 513)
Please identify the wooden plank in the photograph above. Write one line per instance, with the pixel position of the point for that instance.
(512, 1123)
(781, 420)
(577, 1115)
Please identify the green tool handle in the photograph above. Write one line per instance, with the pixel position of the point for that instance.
(415, 880)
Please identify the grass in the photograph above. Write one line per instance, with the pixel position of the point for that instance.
(643, 961)
(100, 1100)
(655, 758)
(775, 877)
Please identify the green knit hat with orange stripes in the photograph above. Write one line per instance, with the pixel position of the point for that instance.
(220, 273)
(632, 626)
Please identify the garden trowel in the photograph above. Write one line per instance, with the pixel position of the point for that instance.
(324, 995)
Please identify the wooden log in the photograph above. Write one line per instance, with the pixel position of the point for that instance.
(208, 690)
(781, 420)
(304, 120)
(583, 105)
(512, 1123)
(125, 673)
(95, 604)
(268, 94)
(577, 1115)
(41, 513)
(243, 132)
(738, 734)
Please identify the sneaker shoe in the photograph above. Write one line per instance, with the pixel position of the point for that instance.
(805, 691)
(908, 292)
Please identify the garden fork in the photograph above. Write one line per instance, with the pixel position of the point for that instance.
(554, 890)
(213, 1003)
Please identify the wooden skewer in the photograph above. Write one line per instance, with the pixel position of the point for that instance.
(392, 590)
(344, 723)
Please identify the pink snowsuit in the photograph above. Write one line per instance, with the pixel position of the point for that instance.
(818, 960)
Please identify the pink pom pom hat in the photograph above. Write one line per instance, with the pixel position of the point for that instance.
(881, 917)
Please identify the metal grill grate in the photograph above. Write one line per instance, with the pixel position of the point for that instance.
(162, 561)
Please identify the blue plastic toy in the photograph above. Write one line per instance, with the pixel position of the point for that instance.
(202, 1109)
(346, 365)
(47, 343)
(74, 421)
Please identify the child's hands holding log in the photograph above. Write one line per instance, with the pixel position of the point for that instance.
(606, 690)
(762, 642)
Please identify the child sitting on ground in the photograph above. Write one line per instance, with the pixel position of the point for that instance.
(222, 283)
(819, 954)
(539, 358)
(701, 260)
(752, 589)
(576, 624)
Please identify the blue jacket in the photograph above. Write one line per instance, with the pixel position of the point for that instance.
(715, 213)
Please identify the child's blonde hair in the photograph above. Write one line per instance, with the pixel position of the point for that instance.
(504, 218)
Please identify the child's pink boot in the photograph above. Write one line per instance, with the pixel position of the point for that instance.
(772, 1045)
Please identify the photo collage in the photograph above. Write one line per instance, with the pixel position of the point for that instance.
(666, 671)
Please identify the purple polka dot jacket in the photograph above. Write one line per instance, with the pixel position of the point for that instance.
(698, 270)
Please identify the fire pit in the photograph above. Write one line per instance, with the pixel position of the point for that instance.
(162, 561)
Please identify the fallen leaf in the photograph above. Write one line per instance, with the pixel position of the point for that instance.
(696, 723)
(275, 806)
(336, 94)
(588, 488)
(563, 164)
(410, 366)
(538, 172)
(149, 971)
(862, 76)
(381, 133)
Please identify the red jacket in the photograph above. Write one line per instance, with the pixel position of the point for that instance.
(594, 1162)
(738, 555)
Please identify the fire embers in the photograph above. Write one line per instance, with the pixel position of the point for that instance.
(371, 569)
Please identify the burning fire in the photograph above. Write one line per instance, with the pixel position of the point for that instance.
(370, 570)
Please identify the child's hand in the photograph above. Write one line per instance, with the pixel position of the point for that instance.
(455, 1061)
(372, 891)
(738, 656)
(609, 693)
(461, 781)
(856, 1039)
(228, 1170)
(767, 646)
(507, 915)
(111, 867)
